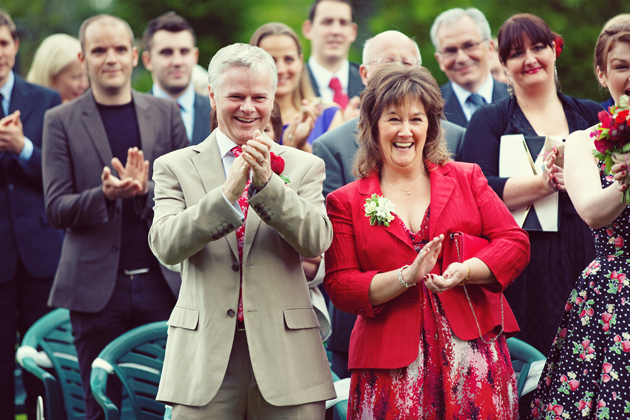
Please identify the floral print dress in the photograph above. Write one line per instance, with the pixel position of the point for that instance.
(587, 375)
(450, 378)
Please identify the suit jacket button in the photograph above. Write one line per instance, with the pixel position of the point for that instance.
(230, 313)
(235, 267)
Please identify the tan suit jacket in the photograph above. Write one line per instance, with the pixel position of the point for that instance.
(194, 226)
(75, 149)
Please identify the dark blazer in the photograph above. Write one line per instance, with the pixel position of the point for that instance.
(453, 110)
(461, 200)
(355, 84)
(201, 124)
(24, 228)
(75, 151)
(201, 127)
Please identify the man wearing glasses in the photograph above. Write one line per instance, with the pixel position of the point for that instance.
(338, 147)
(463, 50)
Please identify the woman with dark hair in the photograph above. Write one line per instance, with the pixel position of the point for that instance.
(417, 350)
(587, 374)
(560, 240)
(304, 116)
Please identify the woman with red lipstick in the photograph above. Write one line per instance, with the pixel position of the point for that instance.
(304, 116)
(528, 50)
(416, 350)
(587, 375)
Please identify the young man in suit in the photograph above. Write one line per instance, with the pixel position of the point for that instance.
(97, 159)
(463, 49)
(331, 29)
(338, 147)
(170, 56)
(243, 339)
(29, 246)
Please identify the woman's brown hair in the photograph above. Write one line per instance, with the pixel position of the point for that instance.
(305, 90)
(607, 41)
(516, 29)
(392, 85)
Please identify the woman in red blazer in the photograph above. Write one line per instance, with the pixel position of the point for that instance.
(417, 350)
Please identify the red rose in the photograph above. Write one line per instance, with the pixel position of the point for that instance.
(277, 163)
(622, 116)
(559, 45)
(602, 146)
(606, 119)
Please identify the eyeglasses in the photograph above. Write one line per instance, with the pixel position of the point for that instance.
(468, 48)
(405, 61)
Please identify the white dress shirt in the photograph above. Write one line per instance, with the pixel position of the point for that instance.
(462, 94)
(323, 76)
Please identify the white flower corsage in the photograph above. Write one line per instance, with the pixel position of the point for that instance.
(380, 210)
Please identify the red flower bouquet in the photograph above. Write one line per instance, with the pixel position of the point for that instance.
(612, 138)
(277, 166)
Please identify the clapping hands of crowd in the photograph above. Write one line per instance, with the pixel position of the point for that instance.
(352, 109)
(299, 129)
(256, 157)
(11, 134)
(134, 176)
(553, 175)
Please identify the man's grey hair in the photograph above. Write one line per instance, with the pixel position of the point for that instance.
(367, 54)
(241, 55)
(453, 15)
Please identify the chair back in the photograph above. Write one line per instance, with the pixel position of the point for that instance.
(523, 355)
(52, 335)
(136, 358)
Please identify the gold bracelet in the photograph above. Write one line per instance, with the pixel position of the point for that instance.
(467, 277)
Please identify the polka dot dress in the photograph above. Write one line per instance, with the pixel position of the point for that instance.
(587, 374)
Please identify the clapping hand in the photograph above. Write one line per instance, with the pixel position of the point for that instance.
(11, 134)
(256, 154)
(298, 131)
(424, 262)
(553, 175)
(134, 176)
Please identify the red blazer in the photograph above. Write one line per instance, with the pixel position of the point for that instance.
(388, 337)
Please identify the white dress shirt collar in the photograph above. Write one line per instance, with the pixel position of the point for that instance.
(323, 76)
(462, 94)
(6, 91)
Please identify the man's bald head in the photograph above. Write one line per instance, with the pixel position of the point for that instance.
(104, 20)
(387, 47)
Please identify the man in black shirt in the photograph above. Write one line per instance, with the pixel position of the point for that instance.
(97, 161)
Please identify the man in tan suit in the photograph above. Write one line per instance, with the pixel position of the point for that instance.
(228, 220)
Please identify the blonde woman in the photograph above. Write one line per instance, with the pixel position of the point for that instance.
(56, 65)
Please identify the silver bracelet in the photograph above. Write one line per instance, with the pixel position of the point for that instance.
(400, 278)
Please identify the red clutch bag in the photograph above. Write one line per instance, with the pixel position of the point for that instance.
(463, 246)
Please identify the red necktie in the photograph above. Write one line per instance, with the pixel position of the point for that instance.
(339, 98)
(240, 235)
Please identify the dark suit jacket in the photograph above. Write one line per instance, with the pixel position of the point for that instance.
(201, 127)
(24, 228)
(201, 124)
(453, 110)
(75, 151)
(461, 200)
(337, 149)
(355, 84)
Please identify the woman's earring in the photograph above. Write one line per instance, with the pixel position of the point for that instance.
(510, 87)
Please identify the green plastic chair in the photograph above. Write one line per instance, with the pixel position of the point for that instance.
(49, 344)
(136, 358)
(523, 355)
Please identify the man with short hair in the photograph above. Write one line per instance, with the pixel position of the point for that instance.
(463, 49)
(29, 246)
(170, 55)
(243, 339)
(338, 147)
(331, 29)
(98, 155)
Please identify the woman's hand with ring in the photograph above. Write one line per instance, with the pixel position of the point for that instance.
(424, 262)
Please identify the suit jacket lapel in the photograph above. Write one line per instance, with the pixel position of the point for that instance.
(19, 99)
(201, 125)
(452, 109)
(313, 81)
(208, 164)
(441, 189)
(371, 185)
(253, 220)
(147, 130)
(94, 126)
(355, 84)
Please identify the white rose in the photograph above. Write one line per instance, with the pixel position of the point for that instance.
(623, 101)
(370, 207)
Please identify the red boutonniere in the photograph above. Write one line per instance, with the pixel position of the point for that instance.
(277, 166)
(559, 46)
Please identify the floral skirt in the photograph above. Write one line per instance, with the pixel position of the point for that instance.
(450, 378)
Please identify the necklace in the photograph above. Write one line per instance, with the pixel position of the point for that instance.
(410, 189)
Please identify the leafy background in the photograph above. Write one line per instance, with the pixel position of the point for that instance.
(219, 23)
